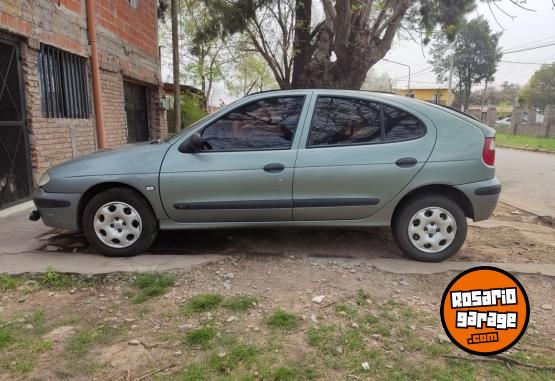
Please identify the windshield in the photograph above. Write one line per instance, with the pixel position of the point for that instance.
(176, 135)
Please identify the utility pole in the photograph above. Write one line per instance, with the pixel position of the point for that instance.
(400, 63)
(176, 86)
(450, 80)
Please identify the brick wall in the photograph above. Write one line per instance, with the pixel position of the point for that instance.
(51, 140)
(113, 105)
(127, 48)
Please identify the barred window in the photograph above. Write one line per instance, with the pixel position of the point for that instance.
(63, 84)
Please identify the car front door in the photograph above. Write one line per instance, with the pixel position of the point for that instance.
(244, 173)
(356, 156)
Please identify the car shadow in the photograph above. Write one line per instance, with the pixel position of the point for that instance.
(347, 243)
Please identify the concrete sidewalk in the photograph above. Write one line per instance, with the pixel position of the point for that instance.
(82, 263)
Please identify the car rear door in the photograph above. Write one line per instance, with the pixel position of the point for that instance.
(357, 155)
(245, 171)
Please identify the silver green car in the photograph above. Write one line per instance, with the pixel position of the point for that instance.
(298, 158)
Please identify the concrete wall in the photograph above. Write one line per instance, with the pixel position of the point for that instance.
(128, 49)
(530, 127)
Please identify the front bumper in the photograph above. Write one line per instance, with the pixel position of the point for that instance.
(483, 196)
(58, 210)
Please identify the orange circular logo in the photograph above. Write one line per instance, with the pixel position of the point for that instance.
(485, 310)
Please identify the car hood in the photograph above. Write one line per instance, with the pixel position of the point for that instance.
(138, 158)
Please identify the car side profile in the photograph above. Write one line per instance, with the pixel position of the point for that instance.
(291, 158)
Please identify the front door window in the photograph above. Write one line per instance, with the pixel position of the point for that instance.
(267, 124)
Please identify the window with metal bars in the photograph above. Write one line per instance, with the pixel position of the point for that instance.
(63, 84)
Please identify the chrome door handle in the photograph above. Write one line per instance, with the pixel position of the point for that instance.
(274, 167)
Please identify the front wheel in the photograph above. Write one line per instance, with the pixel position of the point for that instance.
(430, 228)
(119, 222)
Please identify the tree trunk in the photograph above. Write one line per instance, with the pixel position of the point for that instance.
(347, 35)
(301, 45)
(176, 74)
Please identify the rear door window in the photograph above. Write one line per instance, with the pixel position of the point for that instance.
(344, 121)
(400, 125)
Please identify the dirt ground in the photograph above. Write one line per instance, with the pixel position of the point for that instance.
(250, 316)
(102, 327)
(511, 235)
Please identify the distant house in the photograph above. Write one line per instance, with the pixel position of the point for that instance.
(430, 94)
(62, 98)
(184, 90)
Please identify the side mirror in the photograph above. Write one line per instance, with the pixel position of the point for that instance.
(191, 145)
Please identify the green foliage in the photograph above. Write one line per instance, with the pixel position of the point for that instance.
(236, 355)
(57, 280)
(6, 337)
(192, 109)
(201, 336)
(8, 282)
(152, 284)
(294, 372)
(532, 143)
(298, 59)
(250, 74)
(540, 89)
(85, 339)
(475, 54)
(193, 372)
(203, 303)
(239, 303)
(283, 320)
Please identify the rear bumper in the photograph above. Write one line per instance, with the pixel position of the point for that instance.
(483, 196)
(58, 210)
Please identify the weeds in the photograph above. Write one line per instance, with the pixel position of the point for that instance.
(280, 319)
(152, 285)
(203, 303)
(239, 303)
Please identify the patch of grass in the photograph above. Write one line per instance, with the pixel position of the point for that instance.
(533, 143)
(152, 284)
(202, 303)
(322, 336)
(193, 372)
(236, 355)
(84, 340)
(293, 372)
(22, 364)
(332, 340)
(8, 282)
(345, 310)
(56, 280)
(280, 319)
(362, 298)
(6, 337)
(239, 303)
(201, 336)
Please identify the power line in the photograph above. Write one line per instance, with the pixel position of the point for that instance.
(526, 49)
(528, 63)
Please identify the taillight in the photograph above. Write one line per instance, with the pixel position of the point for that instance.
(488, 155)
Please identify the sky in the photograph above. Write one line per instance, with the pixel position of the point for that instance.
(527, 29)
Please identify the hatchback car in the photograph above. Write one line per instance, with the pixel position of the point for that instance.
(298, 158)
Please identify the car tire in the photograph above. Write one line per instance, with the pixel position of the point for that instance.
(429, 228)
(119, 222)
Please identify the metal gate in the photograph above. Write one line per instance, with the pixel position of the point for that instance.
(135, 109)
(15, 174)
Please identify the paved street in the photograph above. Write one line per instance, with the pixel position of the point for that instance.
(528, 179)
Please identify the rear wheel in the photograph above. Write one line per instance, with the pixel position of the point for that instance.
(119, 222)
(430, 228)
